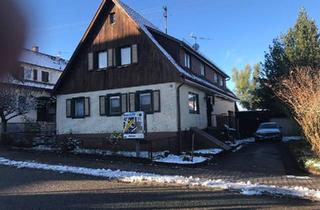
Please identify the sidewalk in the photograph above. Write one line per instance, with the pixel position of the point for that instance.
(207, 171)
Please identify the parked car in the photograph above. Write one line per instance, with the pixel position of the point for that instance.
(268, 131)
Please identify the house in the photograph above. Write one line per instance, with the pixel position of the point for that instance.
(124, 63)
(37, 73)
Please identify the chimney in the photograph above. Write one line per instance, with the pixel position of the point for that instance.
(35, 49)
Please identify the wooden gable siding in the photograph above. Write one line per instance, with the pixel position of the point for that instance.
(152, 67)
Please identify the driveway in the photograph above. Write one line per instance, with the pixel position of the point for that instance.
(258, 159)
(37, 189)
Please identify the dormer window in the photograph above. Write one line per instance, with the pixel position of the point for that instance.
(221, 81)
(202, 69)
(112, 18)
(28, 74)
(215, 77)
(45, 76)
(187, 60)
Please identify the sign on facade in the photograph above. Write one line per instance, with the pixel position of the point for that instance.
(134, 125)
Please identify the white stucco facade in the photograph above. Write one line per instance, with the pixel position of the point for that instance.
(164, 121)
(192, 119)
(223, 106)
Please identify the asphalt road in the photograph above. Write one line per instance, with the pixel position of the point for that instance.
(37, 189)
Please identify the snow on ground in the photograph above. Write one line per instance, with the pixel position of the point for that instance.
(298, 177)
(237, 148)
(246, 188)
(210, 151)
(180, 159)
(241, 141)
(143, 154)
(292, 138)
(158, 156)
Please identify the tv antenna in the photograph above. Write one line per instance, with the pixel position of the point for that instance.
(195, 45)
(165, 15)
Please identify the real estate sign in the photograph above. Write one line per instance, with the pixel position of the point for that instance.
(134, 125)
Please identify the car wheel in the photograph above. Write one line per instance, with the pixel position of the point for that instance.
(256, 140)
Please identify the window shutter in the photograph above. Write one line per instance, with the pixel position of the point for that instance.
(156, 101)
(110, 58)
(117, 55)
(68, 108)
(102, 104)
(124, 103)
(86, 106)
(132, 103)
(137, 101)
(134, 49)
(90, 61)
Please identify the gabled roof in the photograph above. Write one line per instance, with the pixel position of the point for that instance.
(42, 59)
(145, 25)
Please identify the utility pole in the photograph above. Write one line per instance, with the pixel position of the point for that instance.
(165, 15)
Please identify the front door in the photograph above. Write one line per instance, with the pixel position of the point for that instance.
(209, 110)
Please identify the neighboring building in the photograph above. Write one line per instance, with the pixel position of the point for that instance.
(38, 73)
(124, 63)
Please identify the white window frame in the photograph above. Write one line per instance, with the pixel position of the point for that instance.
(102, 60)
(202, 69)
(187, 60)
(126, 56)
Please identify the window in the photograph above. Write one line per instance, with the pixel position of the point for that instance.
(102, 60)
(156, 101)
(202, 69)
(215, 77)
(145, 104)
(125, 54)
(187, 60)
(78, 107)
(221, 81)
(35, 74)
(113, 18)
(193, 103)
(114, 104)
(28, 74)
(45, 76)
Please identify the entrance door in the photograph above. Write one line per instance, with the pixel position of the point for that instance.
(209, 110)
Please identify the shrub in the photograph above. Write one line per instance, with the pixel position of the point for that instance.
(300, 91)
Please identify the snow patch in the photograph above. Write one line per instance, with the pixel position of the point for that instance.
(238, 148)
(242, 141)
(180, 159)
(246, 188)
(211, 151)
(292, 138)
(298, 177)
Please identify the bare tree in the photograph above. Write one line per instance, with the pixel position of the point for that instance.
(300, 90)
(14, 102)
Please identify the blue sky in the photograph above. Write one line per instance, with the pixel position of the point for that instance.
(240, 31)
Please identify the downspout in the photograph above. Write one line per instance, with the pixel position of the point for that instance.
(179, 115)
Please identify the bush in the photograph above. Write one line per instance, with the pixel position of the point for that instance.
(69, 144)
(300, 91)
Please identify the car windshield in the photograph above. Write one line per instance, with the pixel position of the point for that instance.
(268, 125)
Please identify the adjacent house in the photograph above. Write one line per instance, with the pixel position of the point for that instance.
(38, 73)
(124, 63)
